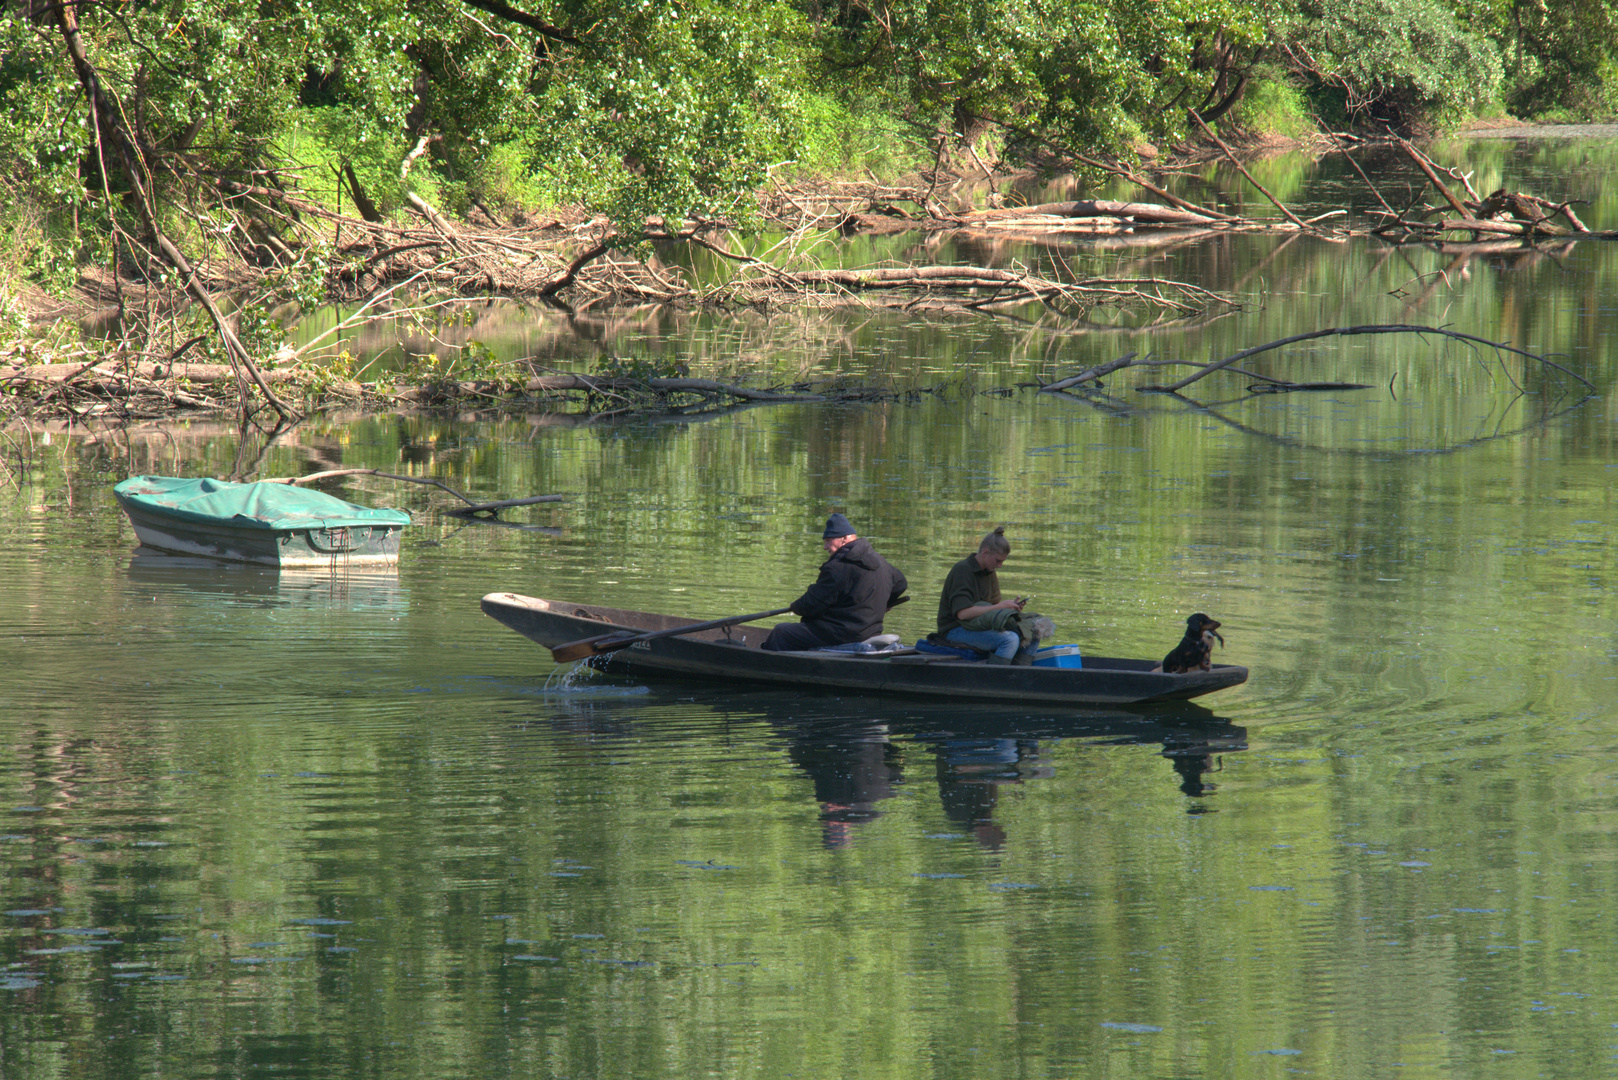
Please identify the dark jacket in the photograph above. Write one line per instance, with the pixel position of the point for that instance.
(855, 589)
(967, 585)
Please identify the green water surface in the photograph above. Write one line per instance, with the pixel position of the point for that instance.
(340, 825)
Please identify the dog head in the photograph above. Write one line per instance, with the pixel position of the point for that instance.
(1199, 626)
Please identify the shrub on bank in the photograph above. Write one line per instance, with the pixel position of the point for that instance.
(1274, 104)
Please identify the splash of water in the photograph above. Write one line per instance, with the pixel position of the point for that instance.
(570, 678)
(578, 679)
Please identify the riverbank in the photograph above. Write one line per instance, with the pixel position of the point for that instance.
(96, 298)
(74, 362)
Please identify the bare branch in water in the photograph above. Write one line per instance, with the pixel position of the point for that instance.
(470, 508)
(1352, 331)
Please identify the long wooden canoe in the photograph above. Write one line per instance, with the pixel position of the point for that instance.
(732, 655)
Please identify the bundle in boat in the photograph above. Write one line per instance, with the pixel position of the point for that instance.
(263, 523)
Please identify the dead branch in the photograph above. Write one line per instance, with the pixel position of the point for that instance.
(470, 508)
(1352, 331)
(709, 386)
(1090, 374)
(1132, 212)
(1279, 205)
(895, 286)
(59, 374)
(1490, 225)
(571, 272)
(1431, 173)
(503, 504)
(1115, 170)
(60, 383)
(604, 386)
(1349, 157)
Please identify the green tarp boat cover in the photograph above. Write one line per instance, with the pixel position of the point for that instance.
(252, 506)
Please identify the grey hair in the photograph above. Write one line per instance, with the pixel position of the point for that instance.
(996, 543)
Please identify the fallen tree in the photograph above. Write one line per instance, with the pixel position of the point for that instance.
(143, 389)
(471, 509)
(1501, 213)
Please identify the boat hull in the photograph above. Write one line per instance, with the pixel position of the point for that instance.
(732, 655)
(373, 545)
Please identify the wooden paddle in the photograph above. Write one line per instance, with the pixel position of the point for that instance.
(603, 643)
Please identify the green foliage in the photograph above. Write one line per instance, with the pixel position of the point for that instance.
(848, 137)
(505, 179)
(319, 141)
(13, 319)
(638, 109)
(1402, 62)
(1094, 75)
(34, 246)
(40, 117)
(642, 368)
(1274, 104)
(1561, 95)
(317, 378)
(472, 361)
(672, 111)
(1057, 65)
(647, 109)
(1558, 55)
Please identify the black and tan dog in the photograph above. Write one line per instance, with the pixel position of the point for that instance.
(1194, 650)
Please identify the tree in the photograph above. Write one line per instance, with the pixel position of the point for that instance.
(1092, 74)
(1559, 55)
(1404, 63)
(650, 108)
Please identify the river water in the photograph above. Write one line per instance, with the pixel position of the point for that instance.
(342, 825)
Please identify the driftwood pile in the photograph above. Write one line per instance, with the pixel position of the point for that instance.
(93, 385)
(92, 393)
(871, 208)
(1502, 213)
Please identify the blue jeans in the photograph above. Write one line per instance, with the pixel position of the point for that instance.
(1003, 643)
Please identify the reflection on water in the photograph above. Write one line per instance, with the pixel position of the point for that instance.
(853, 770)
(1195, 755)
(970, 772)
(857, 764)
(340, 585)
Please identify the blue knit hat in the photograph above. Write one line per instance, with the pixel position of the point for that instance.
(837, 525)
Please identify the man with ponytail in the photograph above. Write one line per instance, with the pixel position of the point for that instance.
(972, 591)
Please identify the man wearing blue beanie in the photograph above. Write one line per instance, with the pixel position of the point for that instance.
(855, 589)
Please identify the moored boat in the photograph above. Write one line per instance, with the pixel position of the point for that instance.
(263, 523)
(732, 654)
